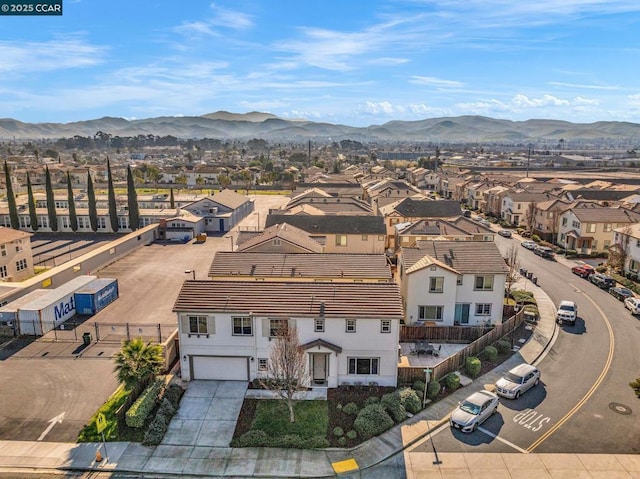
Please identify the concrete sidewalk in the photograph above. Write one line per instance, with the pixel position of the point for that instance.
(183, 460)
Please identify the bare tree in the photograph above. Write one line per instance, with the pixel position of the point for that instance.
(287, 366)
(513, 266)
(619, 250)
(530, 216)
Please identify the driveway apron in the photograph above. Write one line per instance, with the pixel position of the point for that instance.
(207, 415)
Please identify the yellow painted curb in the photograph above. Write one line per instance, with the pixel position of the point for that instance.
(345, 466)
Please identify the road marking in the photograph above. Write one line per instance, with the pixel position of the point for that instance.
(52, 422)
(593, 388)
(529, 417)
(508, 443)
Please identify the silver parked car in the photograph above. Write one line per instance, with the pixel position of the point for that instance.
(633, 305)
(474, 410)
(517, 381)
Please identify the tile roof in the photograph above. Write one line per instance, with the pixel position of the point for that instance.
(291, 299)
(332, 224)
(600, 214)
(301, 265)
(466, 257)
(285, 232)
(7, 235)
(410, 207)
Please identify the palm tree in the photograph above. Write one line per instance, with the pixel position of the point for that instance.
(137, 361)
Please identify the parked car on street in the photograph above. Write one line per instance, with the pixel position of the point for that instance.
(567, 312)
(602, 280)
(517, 381)
(544, 251)
(505, 233)
(529, 245)
(633, 305)
(474, 410)
(583, 270)
(621, 293)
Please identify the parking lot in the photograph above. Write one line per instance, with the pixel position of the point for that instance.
(44, 379)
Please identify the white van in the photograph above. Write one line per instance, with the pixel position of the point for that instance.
(567, 312)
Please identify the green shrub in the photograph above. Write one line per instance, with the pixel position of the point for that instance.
(342, 441)
(523, 297)
(410, 400)
(535, 238)
(371, 421)
(433, 389)
(452, 381)
(601, 269)
(418, 386)
(351, 409)
(472, 366)
(156, 430)
(503, 346)
(174, 394)
(255, 438)
(392, 403)
(490, 353)
(167, 409)
(372, 400)
(352, 434)
(338, 432)
(140, 410)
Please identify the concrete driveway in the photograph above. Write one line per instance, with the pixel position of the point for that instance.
(208, 414)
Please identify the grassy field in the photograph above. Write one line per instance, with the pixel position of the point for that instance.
(311, 418)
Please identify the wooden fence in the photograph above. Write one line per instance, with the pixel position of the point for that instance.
(408, 375)
(442, 334)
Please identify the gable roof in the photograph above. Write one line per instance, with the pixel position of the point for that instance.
(291, 299)
(427, 261)
(332, 224)
(7, 235)
(601, 214)
(284, 232)
(410, 207)
(465, 257)
(230, 199)
(300, 265)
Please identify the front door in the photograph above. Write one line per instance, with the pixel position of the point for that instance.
(319, 368)
(461, 315)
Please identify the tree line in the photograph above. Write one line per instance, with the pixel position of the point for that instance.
(132, 202)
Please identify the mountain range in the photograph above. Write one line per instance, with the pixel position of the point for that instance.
(226, 125)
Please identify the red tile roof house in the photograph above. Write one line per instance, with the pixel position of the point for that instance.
(348, 330)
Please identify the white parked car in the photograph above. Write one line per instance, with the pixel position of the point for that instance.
(529, 245)
(474, 410)
(633, 305)
(567, 312)
(517, 381)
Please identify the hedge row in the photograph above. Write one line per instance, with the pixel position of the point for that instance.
(168, 407)
(140, 410)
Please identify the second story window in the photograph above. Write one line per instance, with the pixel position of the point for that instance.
(591, 227)
(385, 326)
(198, 325)
(242, 326)
(319, 325)
(21, 265)
(341, 240)
(350, 326)
(484, 283)
(436, 284)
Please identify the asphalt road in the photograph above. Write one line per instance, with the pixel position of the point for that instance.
(43, 379)
(584, 403)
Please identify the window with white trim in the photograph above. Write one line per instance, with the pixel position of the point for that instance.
(459, 280)
(430, 313)
(484, 283)
(365, 237)
(591, 227)
(368, 366)
(350, 325)
(242, 326)
(318, 325)
(102, 223)
(385, 326)
(607, 227)
(21, 265)
(3, 271)
(263, 365)
(483, 309)
(198, 325)
(341, 240)
(436, 284)
(276, 326)
(3, 250)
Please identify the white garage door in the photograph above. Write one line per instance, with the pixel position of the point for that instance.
(224, 368)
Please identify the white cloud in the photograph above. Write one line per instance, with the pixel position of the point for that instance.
(388, 61)
(375, 108)
(433, 81)
(230, 18)
(585, 101)
(524, 101)
(585, 86)
(21, 57)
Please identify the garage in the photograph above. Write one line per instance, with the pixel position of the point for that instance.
(220, 367)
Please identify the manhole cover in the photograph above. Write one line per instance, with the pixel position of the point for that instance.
(620, 408)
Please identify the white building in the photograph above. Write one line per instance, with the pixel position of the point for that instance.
(446, 283)
(348, 330)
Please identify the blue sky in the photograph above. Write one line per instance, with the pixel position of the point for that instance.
(354, 62)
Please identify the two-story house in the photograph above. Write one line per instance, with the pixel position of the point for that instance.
(588, 228)
(516, 204)
(458, 229)
(339, 233)
(446, 283)
(627, 240)
(349, 331)
(281, 238)
(16, 258)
